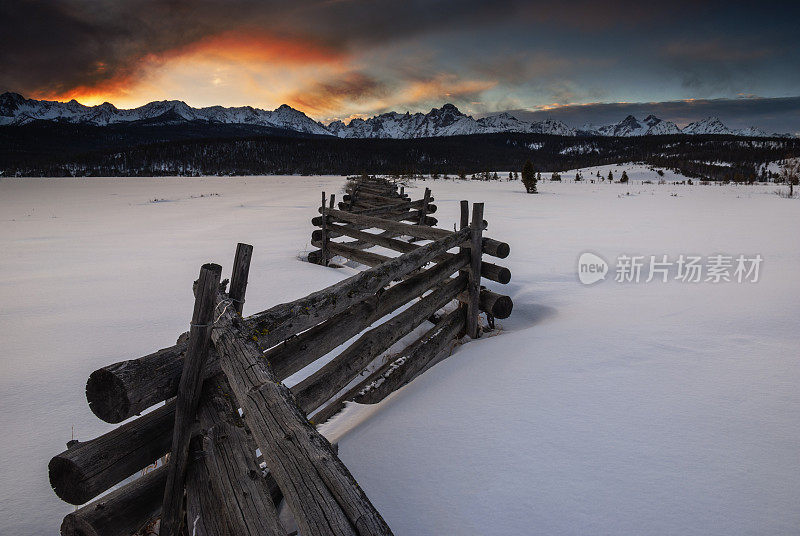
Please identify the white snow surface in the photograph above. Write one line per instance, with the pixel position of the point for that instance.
(661, 408)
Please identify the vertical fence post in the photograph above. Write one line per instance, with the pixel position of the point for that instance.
(423, 212)
(402, 191)
(241, 267)
(324, 253)
(333, 200)
(464, 223)
(189, 396)
(476, 250)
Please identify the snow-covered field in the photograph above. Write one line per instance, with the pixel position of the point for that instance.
(616, 408)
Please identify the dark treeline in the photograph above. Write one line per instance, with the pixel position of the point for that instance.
(67, 150)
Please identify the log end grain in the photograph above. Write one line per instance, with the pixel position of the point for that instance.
(66, 479)
(107, 396)
(73, 525)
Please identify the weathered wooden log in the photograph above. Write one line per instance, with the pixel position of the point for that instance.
(375, 198)
(324, 383)
(121, 390)
(489, 270)
(474, 286)
(423, 211)
(417, 231)
(497, 305)
(282, 321)
(323, 259)
(414, 360)
(239, 274)
(243, 494)
(298, 352)
(80, 474)
(403, 368)
(122, 512)
(202, 498)
(317, 487)
(412, 216)
(364, 257)
(189, 390)
(373, 209)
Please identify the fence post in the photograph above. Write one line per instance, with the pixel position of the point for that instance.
(423, 212)
(189, 397)
(241, 267)
(476, 250)
(333, 199)
(324, 250)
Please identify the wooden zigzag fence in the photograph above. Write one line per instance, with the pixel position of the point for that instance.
(216, 396)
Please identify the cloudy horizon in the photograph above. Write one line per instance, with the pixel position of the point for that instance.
(337, 59)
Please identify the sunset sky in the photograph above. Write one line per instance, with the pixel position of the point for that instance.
(344, 58)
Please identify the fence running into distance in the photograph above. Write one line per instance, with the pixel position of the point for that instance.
(216, 396)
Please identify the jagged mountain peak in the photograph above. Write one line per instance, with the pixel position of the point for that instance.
(448, 120)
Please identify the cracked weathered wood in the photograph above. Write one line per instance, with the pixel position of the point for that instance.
(239, 275)
(490, 271)
(324, 383)
(243, 494)
(300, 351)
(317, 487)
(188, 398)
(402, 369)
(474, 286)
(122, 512)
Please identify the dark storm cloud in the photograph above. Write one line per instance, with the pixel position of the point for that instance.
(55, 45)
(772, 115)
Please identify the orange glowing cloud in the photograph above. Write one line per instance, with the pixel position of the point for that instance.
(244, 52)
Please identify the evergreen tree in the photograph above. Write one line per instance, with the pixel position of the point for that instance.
(610, 176)
(529, 177)
(624, 177)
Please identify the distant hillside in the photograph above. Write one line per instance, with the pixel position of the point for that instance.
(49, 149)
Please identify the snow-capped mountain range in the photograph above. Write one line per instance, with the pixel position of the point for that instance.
(445, 121)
